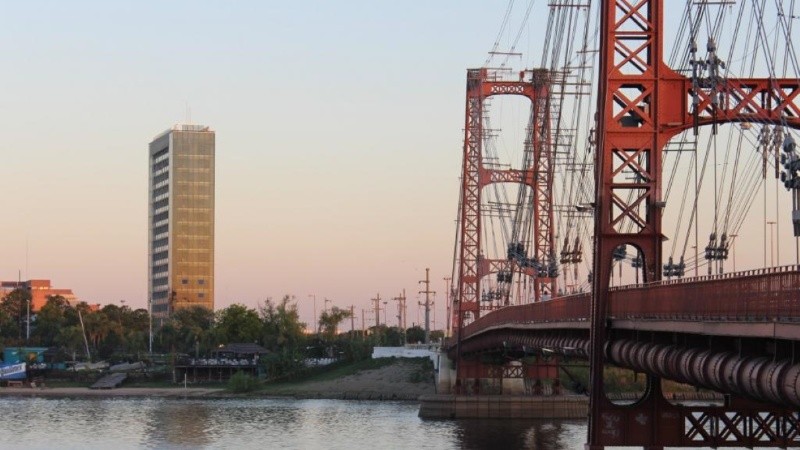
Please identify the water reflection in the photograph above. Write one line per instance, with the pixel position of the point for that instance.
(37, 423)
(179, 423)
(521, 434)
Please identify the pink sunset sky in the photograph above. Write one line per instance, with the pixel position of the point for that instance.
(339, 141)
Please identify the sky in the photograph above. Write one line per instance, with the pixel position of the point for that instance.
(339, 129)
(338, 126)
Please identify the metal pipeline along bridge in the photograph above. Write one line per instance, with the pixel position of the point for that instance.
(735, 333)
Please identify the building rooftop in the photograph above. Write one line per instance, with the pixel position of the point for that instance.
(242, 349)
(185, 127)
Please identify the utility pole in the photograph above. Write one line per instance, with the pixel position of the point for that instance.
(363, 332)
(377, 301)
(427, 293)
(385, 314)
(401, 310)
(352, 320)
(401, 314)
(28, 305)
(448, 302)
(434, 310)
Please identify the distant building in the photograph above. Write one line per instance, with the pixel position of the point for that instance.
(181, 220)
(40, 290)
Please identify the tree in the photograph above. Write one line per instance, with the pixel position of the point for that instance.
(15, 308)
(51, 319)
(97, 327)
(193, 328)
(70, 340)
(392, 337)
(282, 328)
(437, 335)
(167, 337)
(329, 320)
(415, 334)
(237, 323)
(136, 325)
(283, 334)
(8, 329)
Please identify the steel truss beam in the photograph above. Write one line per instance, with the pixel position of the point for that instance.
(642, 103)
(771, 419)
(473, 265)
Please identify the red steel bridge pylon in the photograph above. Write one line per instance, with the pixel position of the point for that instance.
(538, 176)
(642, 104)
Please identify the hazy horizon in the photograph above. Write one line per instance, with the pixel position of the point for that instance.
(339, 129)
(338, 141)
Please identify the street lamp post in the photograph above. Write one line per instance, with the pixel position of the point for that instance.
(316, 321)
(150, 324)
(28, 322)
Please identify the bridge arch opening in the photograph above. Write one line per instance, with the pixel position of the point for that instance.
(623, 386)
(627, 266)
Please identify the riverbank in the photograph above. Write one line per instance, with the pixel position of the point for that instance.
(66, 392)
(393, 379)
(381, 379)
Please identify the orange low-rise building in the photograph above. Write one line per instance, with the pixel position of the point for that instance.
(40, 290)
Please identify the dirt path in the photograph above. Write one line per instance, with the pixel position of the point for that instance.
(392, 382)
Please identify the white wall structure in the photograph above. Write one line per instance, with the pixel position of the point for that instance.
(415, 351)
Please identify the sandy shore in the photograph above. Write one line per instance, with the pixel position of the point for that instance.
(176, 392)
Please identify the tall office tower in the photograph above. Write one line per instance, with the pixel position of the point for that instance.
(181, 222)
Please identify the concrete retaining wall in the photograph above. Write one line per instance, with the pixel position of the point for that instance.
(503, 407)
(406, 352)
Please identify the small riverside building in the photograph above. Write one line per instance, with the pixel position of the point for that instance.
(224, 362)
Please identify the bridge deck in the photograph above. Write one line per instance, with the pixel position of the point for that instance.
(758, 303)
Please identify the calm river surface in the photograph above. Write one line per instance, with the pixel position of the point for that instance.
(41, 423)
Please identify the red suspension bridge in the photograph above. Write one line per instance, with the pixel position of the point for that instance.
(735, 333)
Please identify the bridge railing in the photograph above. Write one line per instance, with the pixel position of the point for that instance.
(767, 294)
(561, 309)
(771, 294)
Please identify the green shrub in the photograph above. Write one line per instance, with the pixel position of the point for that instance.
(241, 382)
(424, 371)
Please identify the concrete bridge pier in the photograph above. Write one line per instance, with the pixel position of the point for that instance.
(514, 390)
(513, 386)
(535, 376)
(446, 376)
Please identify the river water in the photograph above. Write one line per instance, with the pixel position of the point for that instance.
(122, 423)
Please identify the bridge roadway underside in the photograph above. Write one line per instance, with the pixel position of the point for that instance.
(756, 360)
